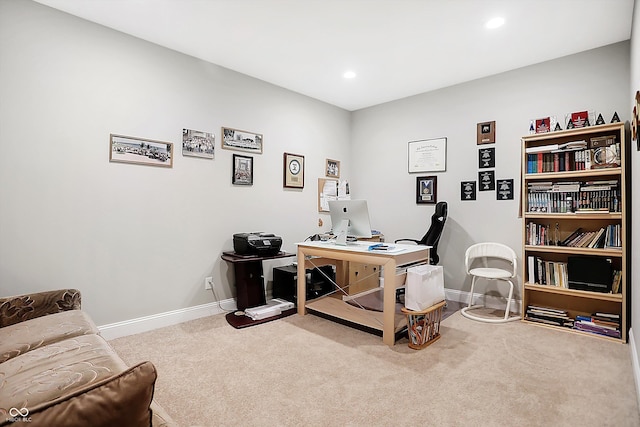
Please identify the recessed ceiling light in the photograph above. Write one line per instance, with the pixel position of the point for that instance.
(494, 23)
(349, 75)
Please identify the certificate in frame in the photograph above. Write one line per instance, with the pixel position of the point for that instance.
(428, 155)
(293, 170)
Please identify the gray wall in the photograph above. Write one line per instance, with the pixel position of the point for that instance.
(593, 80)
(138, 240)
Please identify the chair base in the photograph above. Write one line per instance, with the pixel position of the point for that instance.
(465, 311)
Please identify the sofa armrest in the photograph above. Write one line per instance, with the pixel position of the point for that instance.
(122, 400)
(19, 308)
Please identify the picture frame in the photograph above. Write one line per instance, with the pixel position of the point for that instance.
(427, 155)
(196, 143)
(468, 190)
(332, 168)
(242, 170)
(427, 190)
(486, 133)
(241, 140)
(487, 157)
(293, 173)
(140, 151)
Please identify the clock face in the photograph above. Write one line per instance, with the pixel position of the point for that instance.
(294, 167)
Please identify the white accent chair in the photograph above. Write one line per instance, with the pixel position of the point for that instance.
(478, 259)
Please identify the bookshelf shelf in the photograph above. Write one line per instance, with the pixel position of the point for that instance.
(575, 210)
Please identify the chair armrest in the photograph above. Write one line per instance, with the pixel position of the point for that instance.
(408, 240)
(19, 308)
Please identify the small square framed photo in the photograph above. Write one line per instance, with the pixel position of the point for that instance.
(427, 190)
(242, 170)
(332, 168)
(293, 171)
(486, 133)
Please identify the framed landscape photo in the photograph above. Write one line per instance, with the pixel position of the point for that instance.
(241, 140)
(333, 168)
(198, 144)
(141, 151)
(242, 170)
(293, 170)
(427, 190)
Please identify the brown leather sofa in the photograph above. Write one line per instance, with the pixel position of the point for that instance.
(56, 369)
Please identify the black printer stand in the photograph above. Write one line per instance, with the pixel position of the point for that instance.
(249, 284)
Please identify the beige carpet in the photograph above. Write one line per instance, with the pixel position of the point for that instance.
(308, 371)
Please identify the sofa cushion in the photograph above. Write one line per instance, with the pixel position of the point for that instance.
(31, 334)
(55, 370)
(121, 400)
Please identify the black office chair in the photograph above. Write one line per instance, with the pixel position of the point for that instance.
(433, 234)
(430, 239)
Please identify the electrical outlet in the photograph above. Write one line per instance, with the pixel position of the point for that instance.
(208, 283)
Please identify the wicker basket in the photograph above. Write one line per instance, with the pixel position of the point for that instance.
(423, 327)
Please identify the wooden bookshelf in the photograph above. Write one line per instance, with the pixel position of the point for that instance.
(553, 227)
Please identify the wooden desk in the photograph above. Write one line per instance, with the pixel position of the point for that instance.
(315, 254)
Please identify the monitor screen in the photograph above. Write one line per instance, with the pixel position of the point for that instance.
(349, 217)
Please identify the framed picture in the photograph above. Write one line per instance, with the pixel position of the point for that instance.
(487, 158)
(427, 190)
(468, 190)
(242, 170)
(198, 144)
(486, 133)
(293, 171)
(504, 190)
(240, 140)
(332, 168)
(429, 155)
(487, 180)
(130, 149)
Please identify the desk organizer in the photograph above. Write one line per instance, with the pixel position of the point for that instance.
(423, 327)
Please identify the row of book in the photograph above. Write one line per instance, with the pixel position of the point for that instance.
(555, 273)
(607, 324)
(601, 152)
(567, 197)
(604, 238)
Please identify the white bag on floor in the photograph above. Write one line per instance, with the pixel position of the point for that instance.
(424, 287)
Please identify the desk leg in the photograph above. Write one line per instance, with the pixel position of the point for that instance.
(389, 303)
(301, 298)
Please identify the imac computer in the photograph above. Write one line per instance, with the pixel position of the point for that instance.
(349, 218)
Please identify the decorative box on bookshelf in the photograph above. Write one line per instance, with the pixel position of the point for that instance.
(575, 215)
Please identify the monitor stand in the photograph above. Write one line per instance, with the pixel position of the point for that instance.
(341, 232)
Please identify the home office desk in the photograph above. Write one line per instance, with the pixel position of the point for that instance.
(317, 253)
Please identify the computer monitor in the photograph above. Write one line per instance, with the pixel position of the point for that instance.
(349, 218)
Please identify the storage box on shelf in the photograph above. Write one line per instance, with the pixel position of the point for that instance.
(575, 215)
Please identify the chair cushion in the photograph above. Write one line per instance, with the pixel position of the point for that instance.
(31, 334)
(55, 370)
(490, 273)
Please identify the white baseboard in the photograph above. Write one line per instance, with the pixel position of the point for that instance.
(487, 300)
(635, 363)
(160, 320)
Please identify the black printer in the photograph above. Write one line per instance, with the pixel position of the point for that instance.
(256, 243)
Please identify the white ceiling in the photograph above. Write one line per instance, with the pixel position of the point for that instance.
(398, 48)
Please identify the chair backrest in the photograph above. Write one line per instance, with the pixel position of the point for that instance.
(490, 250)
(432, 237)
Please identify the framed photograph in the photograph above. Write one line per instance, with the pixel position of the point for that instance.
(486, 133)
(242, 170)
(543, 125)
(429, 155)
(332, 168)
(427, 190)
(198, 144)
(487, 158)
(240, 140)
(293, 171)
(141, 151)
(504, 189)
(487, 180)
(468, 190)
